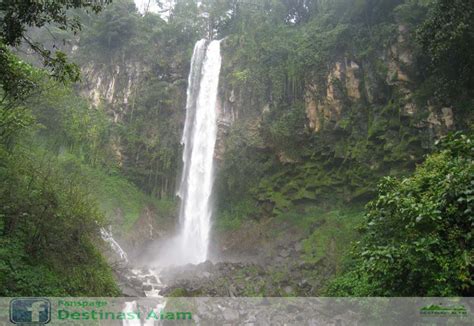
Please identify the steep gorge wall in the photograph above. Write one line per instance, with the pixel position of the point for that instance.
(111, 85)
(145, 102)
(362, 121)
(144, 98)
(354, 84)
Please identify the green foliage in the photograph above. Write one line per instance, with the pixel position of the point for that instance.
(114, 29)
(121, 201)
(320, 179)
(16, 18)
(244, 162)
(418, 238)
(370, 139)
(49, 230)
(151, 136)
(12, 123)
(447, 39)
(66, 123)
(18, 79)
(49, 223)
(274, 62)
(232, 217)
(333, 232)
(155, 55)
(286, 129)
(178, 293)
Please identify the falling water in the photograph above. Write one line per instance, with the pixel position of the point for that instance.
(107, 236)
(199, 138)
(195, 191)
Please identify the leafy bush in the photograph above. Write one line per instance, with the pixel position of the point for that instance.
(418, 232)
(447, 38)
(333, 231)
(232, 217)
(49, 222)
(49, 230)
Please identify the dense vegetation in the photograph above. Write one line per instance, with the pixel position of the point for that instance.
(327, 98)
(280, 58)
(417, 236)
(155, 56)
(49, 223)
(278, 62)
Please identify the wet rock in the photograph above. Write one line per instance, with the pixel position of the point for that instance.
(231, 315)
(306, 266)
(284, 253)
(304, 283)
(251, 319)
(150, 279)
(298, 247)
(264, 302)
(147, 287)
(291, 308)
(206, 266)
(128, 291)
(136, 282)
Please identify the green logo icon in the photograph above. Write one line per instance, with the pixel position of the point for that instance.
(444, 310)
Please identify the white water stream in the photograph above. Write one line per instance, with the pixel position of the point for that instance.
(199, 139)
(107, 237)
(195, 191)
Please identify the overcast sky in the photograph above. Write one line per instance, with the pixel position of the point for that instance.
(142, 5)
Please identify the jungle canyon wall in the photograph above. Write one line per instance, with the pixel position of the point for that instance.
(333, 133)
(299, 123)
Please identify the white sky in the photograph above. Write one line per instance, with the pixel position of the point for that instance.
(143, 5)
(151, 6)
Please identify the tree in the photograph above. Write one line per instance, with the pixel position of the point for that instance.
(447, 40)
(116, 27)
(49, 230)
(17, 16)
(418, 234)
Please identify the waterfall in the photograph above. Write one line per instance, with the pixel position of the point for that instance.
(199, 138)
(195, 190)
(107, 237)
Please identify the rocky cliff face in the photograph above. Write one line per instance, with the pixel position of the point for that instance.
(363, 120)
(362, 111)
(145, 104)
(325, 103)
(111, 85)
(351, 82)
